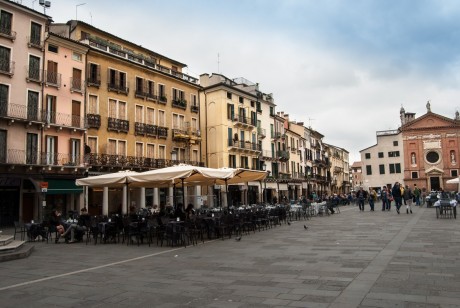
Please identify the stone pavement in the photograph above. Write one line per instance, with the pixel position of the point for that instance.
(351, 259)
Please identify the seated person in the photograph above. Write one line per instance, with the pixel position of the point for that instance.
(56, 222)
(179, 212)
(189, 211)
(77, 229)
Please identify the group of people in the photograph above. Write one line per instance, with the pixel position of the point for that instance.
(69, 231)
(400, 194)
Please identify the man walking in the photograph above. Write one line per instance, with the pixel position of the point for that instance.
(396, 193)
(417, 194)
(384, 197)
(361, 195)
(408, 196)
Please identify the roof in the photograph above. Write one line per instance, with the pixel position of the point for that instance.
(357, 164)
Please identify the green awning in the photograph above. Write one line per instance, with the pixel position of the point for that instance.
(63, 187)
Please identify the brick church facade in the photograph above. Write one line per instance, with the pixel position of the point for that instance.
(431, 146)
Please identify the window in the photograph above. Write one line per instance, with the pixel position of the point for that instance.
(52, 76)
(53, 48)
(4, 97)
(77, 56)
(432, 157)
(150, 116)
(382, 169)
(454, 173)
(117, 81)
(34, 68)
(117, 109)
(92, 104)
(139, 86)
(74, 159)
(229, 95)
(414, 175)
(51, 150)
(139, 149)
(177, 95)
(77, 83)
(244, 163)
(232, 161)
(241, 100)
(395, 168)
(395, 143)
(368, 169)
(178, 121)
(272, 111)
(94, 74)
(35, 34)
(150, 89)
(5, 64)
(32, 149)
(162, 92)
(193, 100)
(380, 154)
(367, 155)
(32, 105)
(150, 151)
(50, 109)
(161, 118)
(5, 23)
(230, 111)
(393, 154)
(92, 143)
(139, 116)
(161, 151)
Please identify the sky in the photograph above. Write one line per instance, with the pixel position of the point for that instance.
(345, 68)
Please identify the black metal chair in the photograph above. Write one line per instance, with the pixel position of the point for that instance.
(20, 228)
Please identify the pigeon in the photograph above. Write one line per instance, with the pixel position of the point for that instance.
(289, 223)
(238, 238)
(305, 227)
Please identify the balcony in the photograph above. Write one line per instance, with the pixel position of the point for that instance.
(148, 62)
(8, 33)
(162, 132)
(118, 125)
(35, 42)
(180, 134)
(93, 120)
(179, 103)
(63, 120)
(283, 155)
(243, 121)
(19, 112)
(52, 79)
(7, 67)
(94, 81)
(34, 74)
(162, 99)
(22, 157)
(151, 96)
(195, 108)
(261, 133)
(244, 145)
(275, 135)
(76, 85)
(119, 88)
(267, 155)
(151, 130)
(133, 162)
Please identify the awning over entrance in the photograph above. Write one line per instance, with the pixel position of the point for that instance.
(63, 187)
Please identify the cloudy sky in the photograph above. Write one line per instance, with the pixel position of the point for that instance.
(344, 67)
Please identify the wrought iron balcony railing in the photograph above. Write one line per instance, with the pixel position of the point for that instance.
(195, 108)
(35, 41)
(245, 145)
(77, 84)
(34, 74)
(179, 103)
(93, 120)
(22, 157)
(8, 33)
(94, 80)
(119, 88)
(118, 125)
(52, 79)
(63, 119)
(21, 112)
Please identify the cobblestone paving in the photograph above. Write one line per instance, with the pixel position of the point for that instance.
(350, 259)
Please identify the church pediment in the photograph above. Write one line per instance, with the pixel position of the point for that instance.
(434, 170)
(430, 120)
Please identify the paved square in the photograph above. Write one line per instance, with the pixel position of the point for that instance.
(351, 259)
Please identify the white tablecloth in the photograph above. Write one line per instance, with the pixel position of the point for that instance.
(452, 203)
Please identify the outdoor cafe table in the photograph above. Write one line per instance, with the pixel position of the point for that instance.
(438, 206)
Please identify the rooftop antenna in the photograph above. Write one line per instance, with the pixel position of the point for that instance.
(91, 16)
(76, 10)
(218, 63)
(309, 122)
(45, 4)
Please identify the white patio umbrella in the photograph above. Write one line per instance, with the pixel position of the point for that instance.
(455, 181)
(113, 180)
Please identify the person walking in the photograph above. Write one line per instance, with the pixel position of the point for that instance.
(396, 193)
(384, 197)
(417, 193)
(361, 195)
(372, 198)
(408, 196)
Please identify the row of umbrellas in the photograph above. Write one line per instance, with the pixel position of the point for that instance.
(179, 175)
